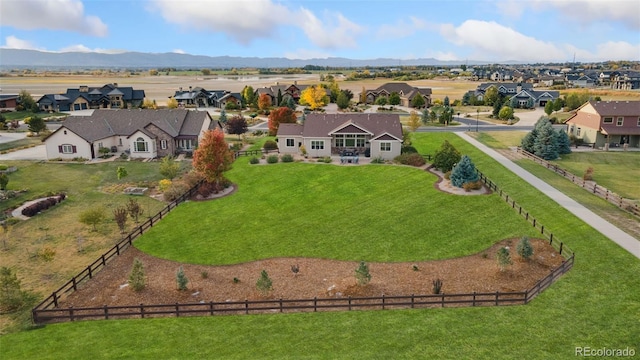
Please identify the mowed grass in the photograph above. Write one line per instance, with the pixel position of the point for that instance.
(617, 171)
(594, 305)
(499, 139)
(372, 213)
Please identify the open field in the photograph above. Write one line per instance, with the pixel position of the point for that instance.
(594, 305)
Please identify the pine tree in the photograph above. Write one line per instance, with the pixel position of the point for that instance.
(137, 278)
(223, 117)
(564, 143)
(464, 172)
(362, 273)
(524, 248)
(279, 98)
(545, 144)
(424, 117)
(264, 283)
(504, 258)
(181, 279)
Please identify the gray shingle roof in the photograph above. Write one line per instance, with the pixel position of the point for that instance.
(320, 125)
(617, 108)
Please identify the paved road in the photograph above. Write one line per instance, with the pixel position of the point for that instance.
(626, 241)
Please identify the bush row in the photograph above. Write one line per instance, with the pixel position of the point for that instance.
(42, 205)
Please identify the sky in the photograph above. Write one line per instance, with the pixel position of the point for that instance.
(529, 31)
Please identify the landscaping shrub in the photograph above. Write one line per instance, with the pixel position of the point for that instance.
(4, 180)
(137, 278)
(524, 248)
(264, 283)
(41, 205)
(192, 178)
(206, 188)
(12, 297)
(504, 258)
(446, 157)
(377, 160)
(408, 149)
(175, 191)
(464, 172)
(362, 273)
(272, 159)
(254, 160)
(164, 184)
(327, 160)
(447, 175)
(588, 174)
(412, 159)
(270, 145)
(475, 185)
(181, 279)
(437, 286)
(286, 158)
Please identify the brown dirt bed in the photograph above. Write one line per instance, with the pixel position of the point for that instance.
(320, 278)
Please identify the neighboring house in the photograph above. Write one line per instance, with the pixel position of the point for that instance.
(625, 80)
(287, 91)
(614, 123)
(199, 97)
(8, 102)
(375, 135)
(142, 133)
(584, 81)
(506, 89)
(406, 92)
(230, 98)
(531, 98)
(109, 96)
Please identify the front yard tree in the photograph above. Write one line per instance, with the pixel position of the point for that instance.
(223, 117)
(464, 172)
(172, 103)
(169, 168)
(545, 144)
(394, 99)
(505, 113)
(291, 103)
(414, 121)
(382, 101)
(248, 96)
(491, 95)
(26, 101)
(446, 157)
(134, 209)
(121, 172)
(264, 102)
(417, 101)
(279, 116)
(342, 101)
(279, 98)
(213, 157)
(548, 108)
(314, 97)
(237, 125)
(424, 116)
(563, 141)
(36, 124)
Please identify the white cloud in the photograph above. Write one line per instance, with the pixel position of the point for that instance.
(178, 51)
(336, 31)
(592, 11)
(403, 28)
(305, 54)
(51, 14)
(85, 49)
(249, 20)
(12, 42)
(493, 41)
(611, 50)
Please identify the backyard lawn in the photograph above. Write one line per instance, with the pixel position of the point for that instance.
(594, 305)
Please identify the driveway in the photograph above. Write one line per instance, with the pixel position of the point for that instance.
(529, 118)
(6, 137)
(34, 153)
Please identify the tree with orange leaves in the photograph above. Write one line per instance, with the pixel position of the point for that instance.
(279, 116)
(212, 157)
(264, 102)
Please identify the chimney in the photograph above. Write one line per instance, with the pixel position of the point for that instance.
(518, 88)
(189, 88)
(180, 88)
(115, 84)
(84, 88)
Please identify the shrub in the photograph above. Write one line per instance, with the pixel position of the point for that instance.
(192, 178)
(446, 157)
(164, 184)
(272, 159)
(264, 284)
(46, 254)
(464, 172)
(504, 258)
(412, 159)
(120, 215)
(327, 160)
(588, 174)
(286, 158)
(524, 248)
(362, 273)
(137, 278)
(377, 160)
(12, 297)
(204, 275)
(181, 279)
(475, 185)
(175, 191)
(437, 286)
(4, 180)
(254, 160)
(206, 188)
(447, 175)
(270, 145)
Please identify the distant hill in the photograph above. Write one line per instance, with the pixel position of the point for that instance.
(13, 58)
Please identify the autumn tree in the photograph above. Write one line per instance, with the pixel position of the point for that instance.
(172, 103)
(264, 102)
(169, 168)
(363, 96)
(27, 102)
(134, 209)
(279, 116)
(414, 121)
(212, 157)
(334, 89)
(248, 95)
(314, 97)
(237, 125)
(120, 215)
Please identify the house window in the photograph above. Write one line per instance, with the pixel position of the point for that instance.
(140, 145)
(339, 141)
(67, 149)
(578, 132)
(317, 145)
(639, 121)
(163, 144)
(290, 143)
(360, 140)
(100, 146)
(608, 120)
(620, 121)
(186, 144)
(385, 146)
(120, 141)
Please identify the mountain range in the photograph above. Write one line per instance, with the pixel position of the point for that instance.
(16, 58)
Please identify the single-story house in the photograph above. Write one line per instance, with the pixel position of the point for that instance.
(532, 98)
(375, 135)
(141, 133)
(404, 90)
(109, 96)
(607, 123)
(8, 102)
(199, 97)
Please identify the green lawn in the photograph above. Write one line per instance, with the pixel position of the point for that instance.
(22, 143)
(617, 171)
(595, 305)
(499, 139)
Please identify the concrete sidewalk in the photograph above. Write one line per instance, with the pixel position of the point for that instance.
(607, 229)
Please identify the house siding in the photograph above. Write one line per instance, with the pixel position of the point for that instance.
(387, 155)
(318, 152)
(161, 135)
(284, 149)
(151, 150)
(59, 138)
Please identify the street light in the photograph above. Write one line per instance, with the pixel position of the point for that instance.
(477, 117)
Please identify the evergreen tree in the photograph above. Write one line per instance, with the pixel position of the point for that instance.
(466, 99)
(362, 273)
(446, 157)
(464, 172)
(529, 140)
(504, 258)
(563, 141)
(417, 101)
(424, 117)
(279, 98)
(446, 101)
(342, 101)
(291, 104)
(137, 278)
(530, 103)
(181, 279)
(524, 248)
(264, 283)
(545, 144)
(223, 117)
(514, 102)
(497, 105)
